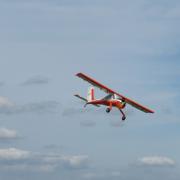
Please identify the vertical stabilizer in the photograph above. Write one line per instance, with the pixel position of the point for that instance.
(90, 96)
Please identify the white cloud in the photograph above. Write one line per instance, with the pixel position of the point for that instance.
(5, 102)
(7, 133)
(156, 161)
(80, 161)
(74, 162)
(13, 154)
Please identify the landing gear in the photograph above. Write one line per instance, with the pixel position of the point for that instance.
(123, 115)
(108, 110)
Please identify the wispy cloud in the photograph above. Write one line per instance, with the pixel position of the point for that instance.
(7, 107)
(37, 107)
(36, 80)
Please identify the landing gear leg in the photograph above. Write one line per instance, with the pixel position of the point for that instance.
(123, 115)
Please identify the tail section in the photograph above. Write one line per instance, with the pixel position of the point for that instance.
(90, 96)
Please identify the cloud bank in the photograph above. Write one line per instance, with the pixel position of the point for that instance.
(13, 159)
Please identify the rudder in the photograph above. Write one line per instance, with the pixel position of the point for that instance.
(90, 96)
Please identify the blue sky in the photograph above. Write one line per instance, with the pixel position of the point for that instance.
(131, 46)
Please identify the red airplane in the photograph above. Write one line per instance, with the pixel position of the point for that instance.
(113, 99)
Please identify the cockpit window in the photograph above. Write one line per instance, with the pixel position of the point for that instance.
(109, 96)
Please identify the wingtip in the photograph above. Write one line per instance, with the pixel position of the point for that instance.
(76, 95)
(78, 74)
(151, 111)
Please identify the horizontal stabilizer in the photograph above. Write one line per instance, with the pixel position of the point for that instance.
(84, 99)
(78, 96)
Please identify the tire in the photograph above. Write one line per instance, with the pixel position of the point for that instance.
(108, 110)
(123, 118)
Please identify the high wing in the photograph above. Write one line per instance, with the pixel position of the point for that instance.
(110, 91)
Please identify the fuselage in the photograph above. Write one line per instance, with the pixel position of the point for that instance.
(111, 103)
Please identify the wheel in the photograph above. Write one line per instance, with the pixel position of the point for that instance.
(123, 118)
(108, 110)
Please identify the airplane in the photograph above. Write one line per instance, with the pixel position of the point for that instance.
(113, 99)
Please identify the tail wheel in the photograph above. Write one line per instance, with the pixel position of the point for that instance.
(108, 110)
